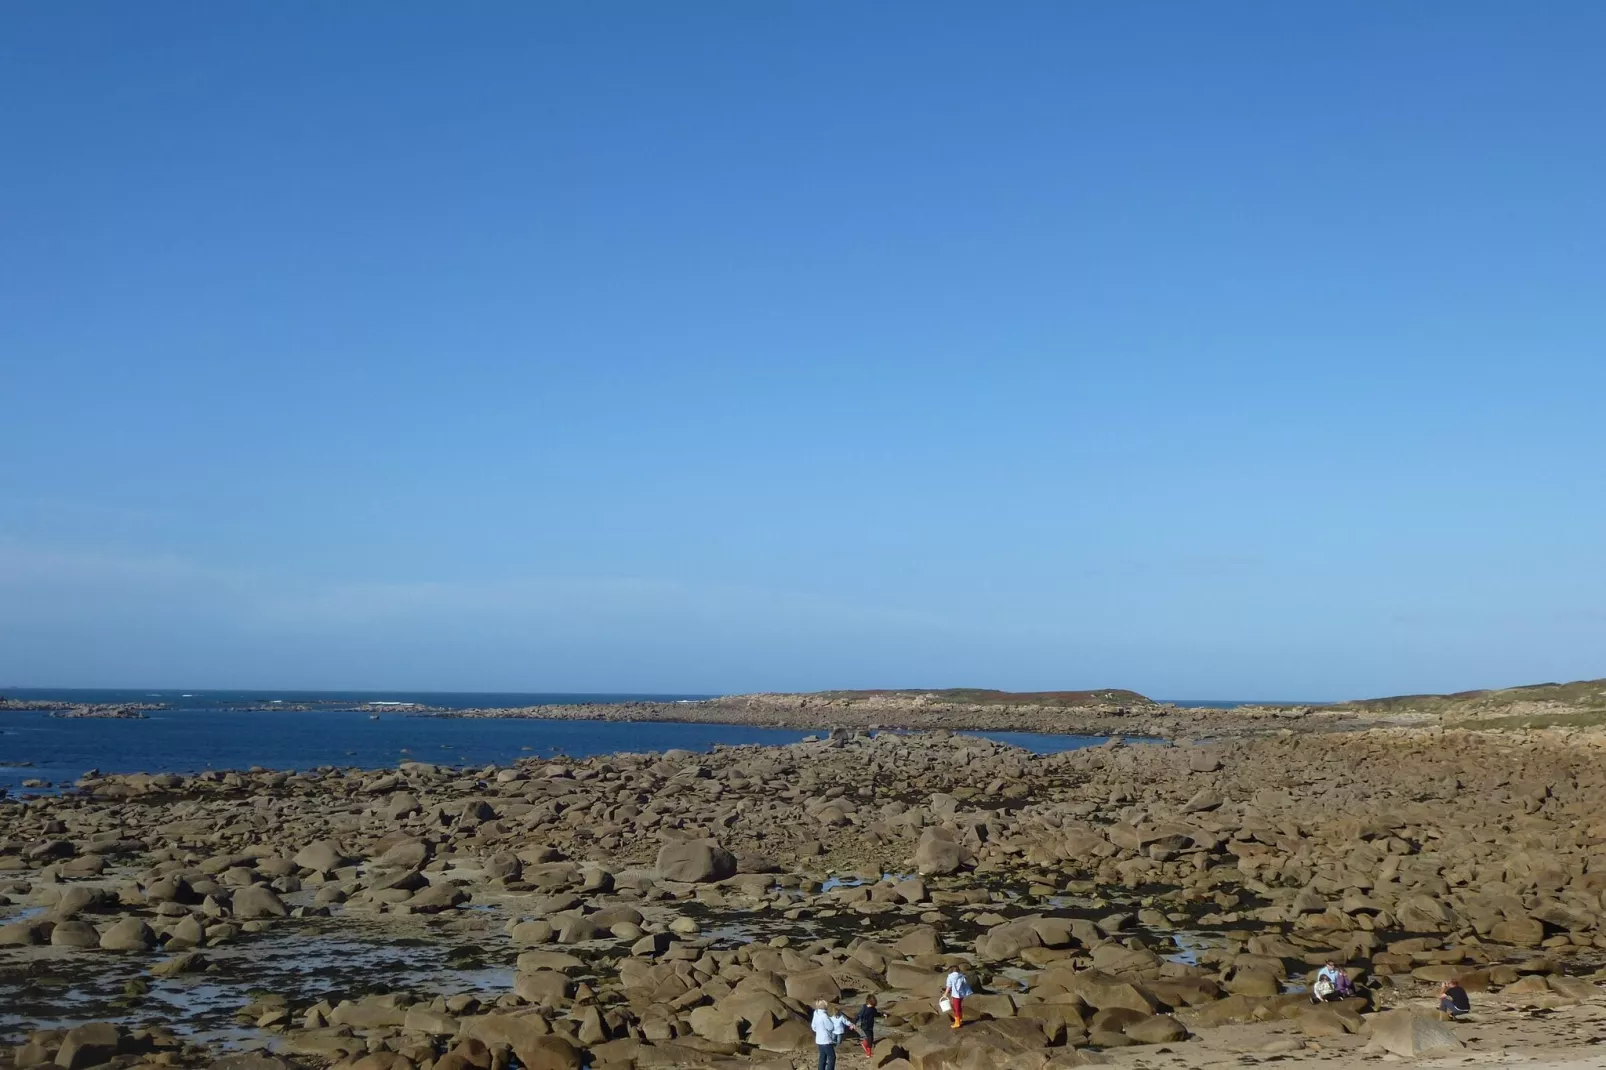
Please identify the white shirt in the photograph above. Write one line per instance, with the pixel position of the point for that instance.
(956, 986)
(828, 1028)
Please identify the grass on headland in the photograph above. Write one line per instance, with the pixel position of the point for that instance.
(1533, 701)
(1593, 718)
(982, 696)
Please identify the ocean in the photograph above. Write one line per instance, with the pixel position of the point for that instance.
(209, 730)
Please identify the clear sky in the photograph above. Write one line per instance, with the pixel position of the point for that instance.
(1213, 350)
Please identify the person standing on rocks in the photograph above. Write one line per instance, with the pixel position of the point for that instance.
(955, 989)
(828, 1029)
(865, 1020)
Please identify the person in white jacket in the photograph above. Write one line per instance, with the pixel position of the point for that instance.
(828, 1029)
(955, 989)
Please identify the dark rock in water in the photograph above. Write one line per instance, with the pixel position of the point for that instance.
(188, 962)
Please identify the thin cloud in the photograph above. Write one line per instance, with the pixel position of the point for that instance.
(263, 602)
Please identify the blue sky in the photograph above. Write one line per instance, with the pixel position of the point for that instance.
(1228, 350)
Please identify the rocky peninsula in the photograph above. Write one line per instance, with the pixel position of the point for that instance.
(106, 710)
(1095, 713)
(1139, 904)
(101, 713)
(1103, 712)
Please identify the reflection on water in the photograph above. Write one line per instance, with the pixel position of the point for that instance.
(65, 987)
(1191, 943)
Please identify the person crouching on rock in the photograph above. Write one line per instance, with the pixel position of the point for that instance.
(828, 1029)
(955, 989)
(1453, 998)
(865, 1020)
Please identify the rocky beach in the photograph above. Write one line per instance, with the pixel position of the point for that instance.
(1145, 904)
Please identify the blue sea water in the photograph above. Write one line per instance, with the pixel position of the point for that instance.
(209, 730)
(196, 699)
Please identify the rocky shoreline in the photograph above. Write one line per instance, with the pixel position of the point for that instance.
(684, 909)
(58, 708)
(822, 712)
(101, 713)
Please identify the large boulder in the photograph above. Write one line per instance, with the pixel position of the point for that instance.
(77, 899)
(1328, 1022)
(939, 854)
(374, 1012)
(577, 929)
(921, 940)
(1055, 932)
(716, 1024)
(536, 931)
(515, 1031)
(1117, 959)
(420, 1019)
(812, 985)
(548, 1053)
(258, 901)
(1522, 932)
(434, 898)
(466, 1055)
(407, 854)
(130, 934)
(542, 986)
(1004, 942)
(1233, 1010)
(1409, 1035)
(1425, 914)
(788, 1035)
(985, 1045)
(914, 978)
(695, 862)
(321, 856)
(26, 932)
(186, 932)
(90, 1044)
(1157, 1029)
(74, 934)
(253, 1060)
(1104, 993)
(1254, 981)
